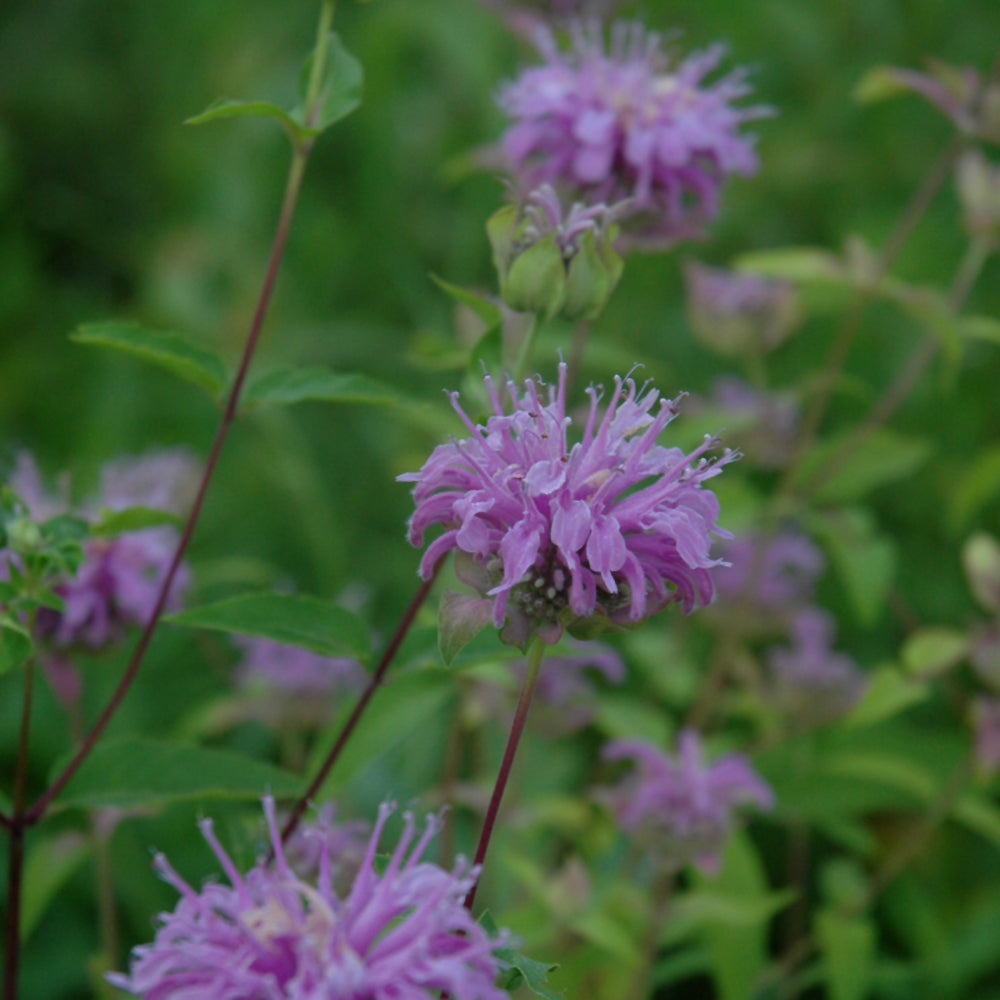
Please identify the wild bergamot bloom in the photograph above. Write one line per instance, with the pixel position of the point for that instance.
(612, 527)
(681, 807)
(627, 121)
(119, 580)
(403, 934)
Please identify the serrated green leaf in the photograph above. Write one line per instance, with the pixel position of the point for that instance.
(340, 90)
(299, 385)
(50, 862)
(132, 773)
(460, 619)
(523, 970)
(932, 651)
(486, 310)
(116, 522)
(294, 620)
(847, 945)
(526, 973)
(171, 351)
(227, 108)
(881, 458)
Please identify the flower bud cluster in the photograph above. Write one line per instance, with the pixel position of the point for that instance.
(551, 265)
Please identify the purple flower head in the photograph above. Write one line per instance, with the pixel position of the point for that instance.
(625, 123)
(614, 525)
(119, 579)
(163, 480)
(293, 672)
(270, 935)
(739, 314)
(772, 575)
(544, 215)
(764, 424)
(810, 683)
(680, 807)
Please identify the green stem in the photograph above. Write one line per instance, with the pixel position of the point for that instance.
(313, 102)
(535, 655)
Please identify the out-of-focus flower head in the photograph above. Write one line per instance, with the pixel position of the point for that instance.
(607, 530)
(739, 314)
(293, 672)
(606, 124)
(971, 101)
(810, 684)
(526, 17)
(679, 807)
(548, 263)
(401, 934)
(761, 424)
(119, 579)
(163, 480)
(771, 575)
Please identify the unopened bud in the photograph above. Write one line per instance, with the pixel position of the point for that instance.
(550, 265)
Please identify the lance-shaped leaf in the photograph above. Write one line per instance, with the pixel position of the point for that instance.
(300, 385)
(226, 108)
(130, 773)
(167, 350)
(340, 88)
(116, 522)
(295, 620)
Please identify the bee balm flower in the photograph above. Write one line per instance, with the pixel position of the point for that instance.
(614, 526)
(680, 806)
(624, 122)
(401, 935)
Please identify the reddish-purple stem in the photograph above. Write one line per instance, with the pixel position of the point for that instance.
(516, 728)
(37, 811)
(376, 680)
